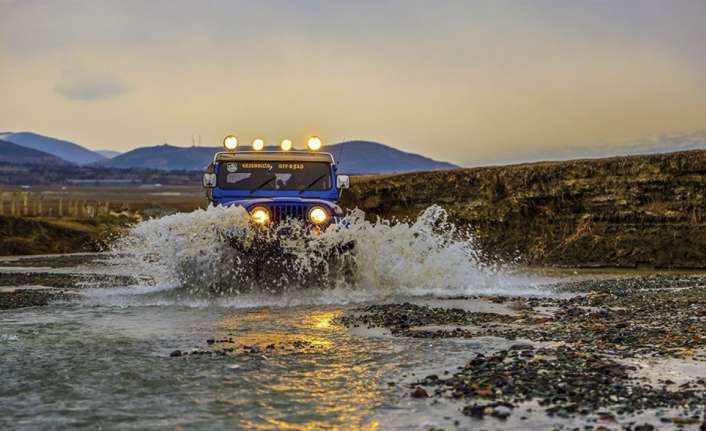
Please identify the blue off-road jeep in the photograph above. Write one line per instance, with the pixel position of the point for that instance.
(276, 187)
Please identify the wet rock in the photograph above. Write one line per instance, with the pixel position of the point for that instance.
(501, 412)
(419, 392)
(474, 411)
(685, 421)
(522, 347)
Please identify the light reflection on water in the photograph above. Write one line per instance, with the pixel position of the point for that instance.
(83, 366)
(325, 369)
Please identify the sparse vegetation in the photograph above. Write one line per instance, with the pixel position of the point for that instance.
(56, 220)
(622, 211)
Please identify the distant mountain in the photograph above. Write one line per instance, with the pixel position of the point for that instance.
(63, 149)
(108, 154)
(165, 157)
(649, 145)
(365, 157)
(359, 157)
(17, 154)
(665, 144)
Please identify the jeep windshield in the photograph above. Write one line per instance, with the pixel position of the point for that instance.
(274, 175)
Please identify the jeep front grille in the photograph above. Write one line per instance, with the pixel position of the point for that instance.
(281, 212)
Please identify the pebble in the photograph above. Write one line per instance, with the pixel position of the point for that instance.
(419, 392)
(501, 412)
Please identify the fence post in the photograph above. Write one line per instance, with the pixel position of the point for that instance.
(12, 204)
(25, 203)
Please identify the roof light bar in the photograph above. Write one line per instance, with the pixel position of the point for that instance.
(258, 144)
(230, 142)
(314, 143)
(286, 145)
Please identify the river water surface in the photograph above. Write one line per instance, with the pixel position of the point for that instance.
(265, 357)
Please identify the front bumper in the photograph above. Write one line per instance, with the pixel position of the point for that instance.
(262, 239)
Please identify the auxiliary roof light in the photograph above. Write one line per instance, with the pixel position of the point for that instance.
(286, 145)
(230, 142)
(258, 144)
(314, 143)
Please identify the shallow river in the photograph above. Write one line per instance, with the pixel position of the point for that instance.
(156, 351)
(104, 358)
(81, 365)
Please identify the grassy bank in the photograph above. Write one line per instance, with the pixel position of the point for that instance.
(23, 235)
(53, 219)
(623, 211)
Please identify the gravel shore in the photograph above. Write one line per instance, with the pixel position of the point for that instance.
(586, 355)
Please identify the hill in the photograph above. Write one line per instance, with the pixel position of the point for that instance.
(109, 154)
(17, 154)
(63, 149)
(358, 157)
(622, 211)
(164, 157)
(365, 157)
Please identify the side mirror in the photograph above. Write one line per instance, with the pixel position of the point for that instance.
(209, 180)
(343, 182)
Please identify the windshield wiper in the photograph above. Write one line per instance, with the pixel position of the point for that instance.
(263, 184)
(312, 183)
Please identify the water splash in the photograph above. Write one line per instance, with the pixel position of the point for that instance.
(190, 254)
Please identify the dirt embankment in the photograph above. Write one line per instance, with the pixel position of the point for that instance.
(22, 235)
(623, 211)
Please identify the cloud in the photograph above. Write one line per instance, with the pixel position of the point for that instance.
(75, 85)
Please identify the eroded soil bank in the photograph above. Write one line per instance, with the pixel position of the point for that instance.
(621, 212)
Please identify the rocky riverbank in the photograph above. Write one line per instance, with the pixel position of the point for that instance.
(38, 280)
(627, 352)
(620, 212)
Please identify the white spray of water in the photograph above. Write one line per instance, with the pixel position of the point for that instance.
(189, 253)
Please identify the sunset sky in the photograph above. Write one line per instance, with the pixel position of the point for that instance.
(467, 81)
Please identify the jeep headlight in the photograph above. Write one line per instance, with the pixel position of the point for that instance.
(319, 215)
(260, 215)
